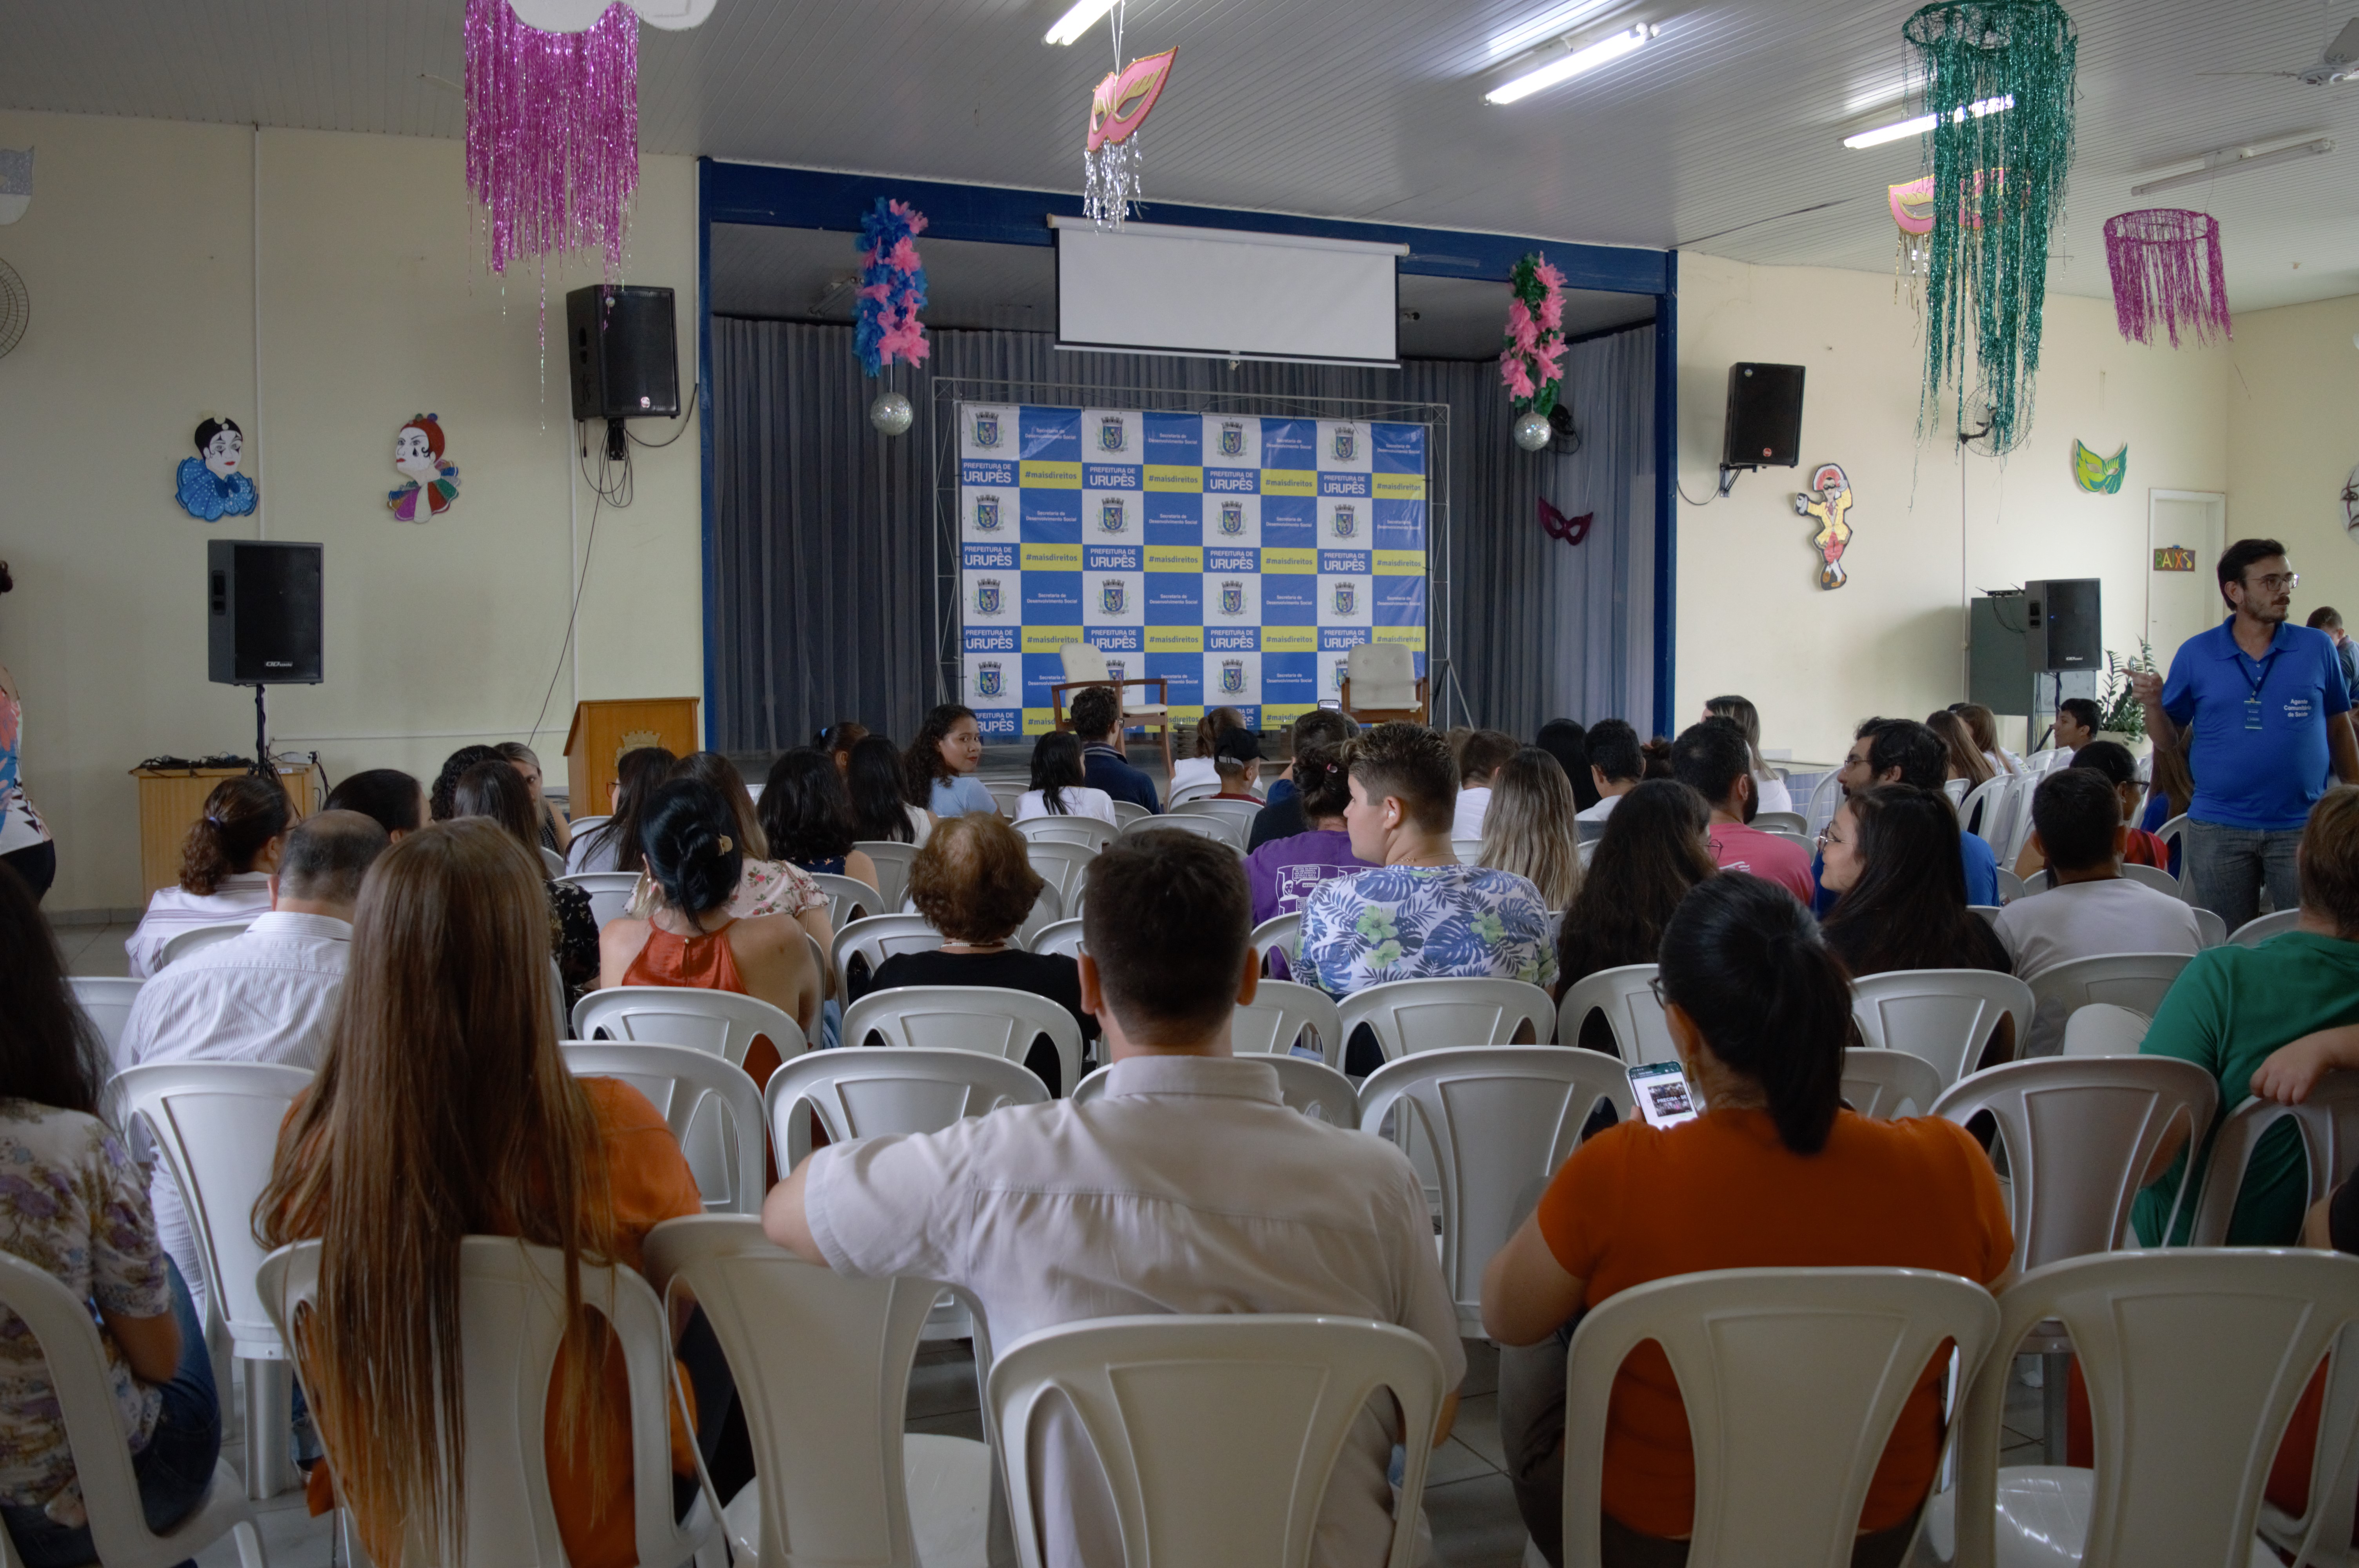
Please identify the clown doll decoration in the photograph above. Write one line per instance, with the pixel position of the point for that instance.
(1829, 500)
(433, 483)
(210, 484)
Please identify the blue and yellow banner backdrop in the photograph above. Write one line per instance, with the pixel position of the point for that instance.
(1239, 557)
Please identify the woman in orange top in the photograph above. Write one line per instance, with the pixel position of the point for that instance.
(442, 1109)
(1774, 1174)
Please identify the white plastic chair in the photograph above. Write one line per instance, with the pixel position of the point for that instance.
(2211, 931)
(1407, 1016)
(722, 1023)
(2135, 980)
(83, 1379)
(2328, 1124)
(1061, 936)
(2173, 835)
(197, 936)
(878, 938)
(1240, 814)
(892, 857)
(1956, 790)
(848, 899)
(1501, 1119)
(1280, 933)
(1313, 1089)
(1129, 814)
(1468, 850)
(2101, 1028)
(678, 1081)
(1790, 822)
(2010, 886)
(1007, 794)
(551, 861)
(107, 1002)
(1048, 910)
(2261, 927)
(1989, 911)
(2018, 815)
(990, 1020)
(1220, 829)
(1984, 806)
(1188, 794)
(821, 1363)
(610, 892)
(1946, 1016)
(1885, 1085)
(216, 1126)
(1061, 865)
(1626, 997)
(2195, 1361)
(867, 1094)
(1089, 832)
(1826, 799)
(2038, 881)
(578, 826)
(1780, 1479)
(1275, 1018)
(511, 1325)
(2154, 877)
(1215, 1433)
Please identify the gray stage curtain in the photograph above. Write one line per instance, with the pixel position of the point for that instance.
(824, 555)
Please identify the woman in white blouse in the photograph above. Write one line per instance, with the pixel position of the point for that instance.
(1057, 787)
(225, 866)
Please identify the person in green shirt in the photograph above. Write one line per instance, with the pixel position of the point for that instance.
(2267, 1020)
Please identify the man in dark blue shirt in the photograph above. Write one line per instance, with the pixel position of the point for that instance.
(2269, 711)
(1097, 720)
(1901, 751)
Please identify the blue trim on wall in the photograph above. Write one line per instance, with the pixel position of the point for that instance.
(1667, 492)
(710, 532)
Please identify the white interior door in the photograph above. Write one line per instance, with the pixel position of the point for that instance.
(2193, 526)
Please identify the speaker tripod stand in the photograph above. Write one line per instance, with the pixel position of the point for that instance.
(262, 767)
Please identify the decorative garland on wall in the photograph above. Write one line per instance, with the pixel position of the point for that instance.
(552, 134)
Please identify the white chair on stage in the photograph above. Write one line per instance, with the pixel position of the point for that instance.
(879, 937)
(2101, 1028)
(1409, 1016)
(2135, 980)
(1885, 1085)
(1215, 1432)
(1944, 1015)
(1381, 683)
(1281, 1010)
(1221, 829)
(1311, 1088)
(1280, 933)
(892, 859)
(989, 1019)
(2328, 1122)
(197, 936)
(679, 1081)
(1625, 996)
(1061, 936)
(1085, 664)
(721, 1022)
(2261, 927)
(610, 892)
(848, 899)
(107, 1002)
(1089, 832)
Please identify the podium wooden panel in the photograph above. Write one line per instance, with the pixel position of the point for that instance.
(171, 799)
(603, 731)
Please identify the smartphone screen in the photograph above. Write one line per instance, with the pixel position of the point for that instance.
(1662, 1093)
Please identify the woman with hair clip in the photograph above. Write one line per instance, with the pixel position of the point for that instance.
(1058, 787)
(1774, 1172)
(225, 865)
(1769, 791)
(937, 770)
(614, 844)
(442, 1109)
(1281, 873)
(1528, 829)
(807, 818)
(1966, 760)
(880, 810)
(1892, 856)
(1636, 877)
(494, 789)
(768, 885)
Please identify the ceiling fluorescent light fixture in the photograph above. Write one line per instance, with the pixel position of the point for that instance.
(1924, 123)
(1564, 68)
(2232, 160)
(1084, 16)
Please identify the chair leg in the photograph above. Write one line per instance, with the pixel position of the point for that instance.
(1165, 735)
(249, 1545)
(269, 1428)
(2055, 1373)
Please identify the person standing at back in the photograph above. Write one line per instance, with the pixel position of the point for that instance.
(1096, 716)
(1713, 758)
(2271, 711)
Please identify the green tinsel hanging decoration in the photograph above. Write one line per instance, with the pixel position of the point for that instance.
(1998, 189)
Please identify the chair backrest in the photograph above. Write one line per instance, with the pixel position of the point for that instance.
(1826, 798)
(1220, 828)
(2261, 927)
(197, 936)
(2018, 815)
(1502, 1119)
(1625, 996)
(892, 857)
(1091, 832)
(878, 938)
(1215, 1433)
(2154, 877)
(1984, 805)
(1061, 865)
(1407, 1016)
(2080, 1133)
(867, 1094)
(2328, 1124)
(848, 898)
(1888, 1084)
(1129, 814)
(1314, 1088)
(1282, 933)
(1278, 1013)
(1942, 1015)
(679, 1081)
(2010, 886)
(723, 1023)
(1384, 675)
(1468, 850)
(1780, 1479)
(1059, 937)
(821, 1365)
(576, 826)
(1050, 909)
(1242, 812)
(2101, 1028)
(2038, 881)
(610, 892)
(550, 861)
(511, 1326)
(1956, 790)
(1188, 793)
(2194, 1359)
(2211, 931)
(1799, 841)
(107, 1002)
(2135, 980)
(1083, 660)
(991, 1020)
(1989, 911)
(1006, 793)
(1782, 822)
(216, 1125)
(2173, 835)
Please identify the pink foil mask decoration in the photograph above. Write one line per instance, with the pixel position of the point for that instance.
(552, 134)
(1120, 104)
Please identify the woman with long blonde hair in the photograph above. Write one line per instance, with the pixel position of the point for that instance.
(442, 1109)
(1528, 830)
(1965, 759)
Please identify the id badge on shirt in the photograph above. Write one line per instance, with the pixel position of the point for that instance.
(2252, 712)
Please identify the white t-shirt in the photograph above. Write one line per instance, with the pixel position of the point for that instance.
(1079, 800)
(921, 825)
(1474, 804)
(1600, 812)
(242, 896)
(2081, 920)
(1194, 769)
(1771, 792)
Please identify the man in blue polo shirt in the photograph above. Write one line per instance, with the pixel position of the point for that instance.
(1901, 751)
(2266, 703)
(1097, 720)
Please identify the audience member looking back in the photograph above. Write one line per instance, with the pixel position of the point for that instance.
(77, 1209)
(1479, 762)
(1769, 791)
(805, 818)
(1901, 897)
(1236, 760)
(881, 811)
(1281, 873)
(1774, 1174)
(1712, 759)
(1096, 715)
(614, 844)
(394, 800)
(1187, 1188)
(442, 1110)
(2078, 720)
(1656, 848)
(1528, 829)
(2112, 761)
(1568, 742)
(1901, 751)
(1059, 786)
(493, 788)
(1199, 767)
(937, 770)
(1615, 765)
(225, 865)
(2233, 1008)
(1283, 816)
(972, 882)
(1965, 761)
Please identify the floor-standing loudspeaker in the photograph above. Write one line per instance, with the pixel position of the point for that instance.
(1765, 417)
(261, 621)
(2061, 625)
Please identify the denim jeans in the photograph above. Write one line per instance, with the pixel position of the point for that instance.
(2227, 867)
(175, 1467)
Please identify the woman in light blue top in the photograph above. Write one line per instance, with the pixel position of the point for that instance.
(940, 764)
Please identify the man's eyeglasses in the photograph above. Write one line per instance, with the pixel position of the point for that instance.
(2274, 580)
(1656, 984)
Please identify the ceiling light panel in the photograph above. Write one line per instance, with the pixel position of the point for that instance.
(1084, 16)
(1565, 67)
(1924, 123)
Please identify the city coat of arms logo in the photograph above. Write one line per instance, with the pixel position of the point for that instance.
(986, 678)
(1347, 522)
(1233, 517)
(1110, 514)
(1232, 676)
(987, 599)
(1233, 439)
(1111, 435)
(986, 513)
(1233, 599)
(986, 428)
(1112, 596)
(1347, 596)
(1342, 673)
(1114, 670)
(1346, 443)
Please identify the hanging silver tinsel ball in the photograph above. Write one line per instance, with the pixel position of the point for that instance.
(1532, 431)
(891, 414)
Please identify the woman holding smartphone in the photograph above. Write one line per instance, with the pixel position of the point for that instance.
(1773, 1172)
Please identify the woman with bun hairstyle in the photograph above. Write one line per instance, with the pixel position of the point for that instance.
(1281, 873)
(226, 862)
(1774, 1174)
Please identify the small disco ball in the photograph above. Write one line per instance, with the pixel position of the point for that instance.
(1532, 432)
(891, 414)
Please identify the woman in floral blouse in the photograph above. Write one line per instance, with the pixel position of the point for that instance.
(72, 1202)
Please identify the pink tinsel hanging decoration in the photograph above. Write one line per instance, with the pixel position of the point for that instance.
(552, 132)
(2166, 273)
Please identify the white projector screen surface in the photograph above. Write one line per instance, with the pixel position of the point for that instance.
(1216, 293)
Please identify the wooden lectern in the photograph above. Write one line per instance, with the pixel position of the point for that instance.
(603, 731)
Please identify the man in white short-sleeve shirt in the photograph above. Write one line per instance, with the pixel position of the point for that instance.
(1187, 1186)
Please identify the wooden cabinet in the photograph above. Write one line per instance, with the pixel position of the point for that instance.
(171, 799)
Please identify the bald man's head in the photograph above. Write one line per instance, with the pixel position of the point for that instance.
(327, 855)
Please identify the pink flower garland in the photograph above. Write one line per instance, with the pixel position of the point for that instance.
(1532, 363)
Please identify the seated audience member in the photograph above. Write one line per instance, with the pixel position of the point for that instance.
(2171, 794)
(1655, 759)
(1615, 765)
(1059, 783)
(805, 818)
(881, 812)
(1198, 767)
(268, 995)
(1236, 760)
(767, 886)
(613, 845)
(1656, 847)
(1280, 874)
(1712, 759)
(1096, 715)
(939, 767)
(1479, 762)
(1528, 829)
(2078, 720)
(1418, 912)
(1773, 1174)
(1568, 742)
(837, 742)
(225, 865)
(1984, 724)
(972, 883)
(2111, 759)
(1769, 791)
(442, 1109)
(1186, 1187)
(493, 788)
(1283, 816)
(555, 832)
(2267, 1020)
(78, 1211)
(2328, 619)
(444, 798)
(1965, 760)
(1901, 751)
(388, 797)
(1900, 895)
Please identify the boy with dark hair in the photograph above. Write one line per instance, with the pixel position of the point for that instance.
(1714, 760)
(1615, 765)
(1096, 717)
(2077, 719)
(1282, 817)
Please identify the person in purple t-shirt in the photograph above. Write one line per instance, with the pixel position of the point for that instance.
(1282, 872)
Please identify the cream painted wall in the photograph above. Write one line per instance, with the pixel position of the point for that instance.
(1752, 618)
(2293, 436)
(138, 251)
